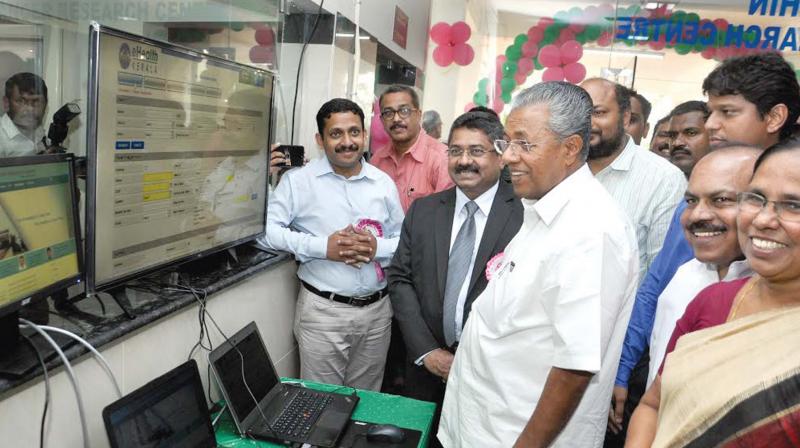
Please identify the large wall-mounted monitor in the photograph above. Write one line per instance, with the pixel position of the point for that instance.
(178, 148)
(40, 249)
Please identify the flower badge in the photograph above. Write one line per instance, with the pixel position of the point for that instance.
(376, 229)
(493, 266)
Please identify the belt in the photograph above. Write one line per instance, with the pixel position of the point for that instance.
(452, 349)
(354, 301)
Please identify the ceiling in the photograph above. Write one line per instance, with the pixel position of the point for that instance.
(548, 7)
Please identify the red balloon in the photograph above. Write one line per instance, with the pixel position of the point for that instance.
(261, 54)
(708, 53)
(721, 24)
(501, 60)
(553, 74)
(566, 35)
(535, 34)
(530, 49)
(265, 36)
(658, 44)
(520, 78)
(443, 55)
(498, 105)
(463, 54)
(440, 33)
(525, 65)
(550, 56)
(544, 22)
(459, 33)
(605, 39)
(469, 106)
(574, 72)
(571, 51)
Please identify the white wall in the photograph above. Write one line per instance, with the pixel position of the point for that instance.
(268, 298)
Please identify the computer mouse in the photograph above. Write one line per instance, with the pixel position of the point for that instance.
(385, 434)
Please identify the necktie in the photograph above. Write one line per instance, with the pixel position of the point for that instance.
(457, 267)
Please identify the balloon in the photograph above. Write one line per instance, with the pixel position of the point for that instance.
(509, 68)
(482, 84)
(605, 39)
(440, 33)
(683, 48)
(501, 60)
(545, 22)
(506, 97)
(237, 26)
(265, 36)
(507, 84)
(553, 74)
(577, 27)
(520, 78)
(551, 34)
(498, 105)
(459, 33)
(566, 35)
(571, 52)
(657, 44)
(721, 24)
(463, 54)
(550, 56)
(593, 32)
(708, 53)
(443, 55)
(480, 99)
(525, 66)
(692, 17)
(469, 107)
(574, 72)
(535, 34)
(530, 49)
(261, 54)
(520, 40)
(537, 64)
(513, 53)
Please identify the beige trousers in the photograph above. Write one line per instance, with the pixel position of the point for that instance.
(342, 344)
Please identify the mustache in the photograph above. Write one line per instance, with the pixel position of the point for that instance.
(466, 169)
(703, 226)
(346, 148)
(397, 126)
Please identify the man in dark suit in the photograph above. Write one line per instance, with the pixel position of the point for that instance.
(447, 239)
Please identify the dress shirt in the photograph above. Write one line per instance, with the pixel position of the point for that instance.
(420, 171)
(691, 278)
(561, 298)
(312, 202)
(648, 188)
(14, 143)
(675, 252)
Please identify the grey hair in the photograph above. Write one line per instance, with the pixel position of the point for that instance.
(570, 109)
(430, 119)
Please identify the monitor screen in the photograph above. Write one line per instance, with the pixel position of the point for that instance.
(178, 168)
(38, 228)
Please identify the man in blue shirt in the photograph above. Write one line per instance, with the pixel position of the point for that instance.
(340, 217)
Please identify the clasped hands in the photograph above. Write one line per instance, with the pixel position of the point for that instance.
(352, 247)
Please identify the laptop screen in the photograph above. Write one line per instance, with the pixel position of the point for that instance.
(258, 371)
(168, 411)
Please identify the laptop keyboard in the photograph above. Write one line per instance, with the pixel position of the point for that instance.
(300, 414)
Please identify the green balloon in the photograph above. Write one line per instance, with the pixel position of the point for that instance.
(537, 64)
(507, 85)
(520, 40)
(513, 53)
(678, 16)
(581, 38)
(480, 99)
(683, 48)
(506, 97)
(692, 17)
(593, 32)
(551, 33)
(561, 17)
(237, 26)
(509, 68)
(575, 11)
(482, 84)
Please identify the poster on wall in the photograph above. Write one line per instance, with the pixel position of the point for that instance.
(400, 34)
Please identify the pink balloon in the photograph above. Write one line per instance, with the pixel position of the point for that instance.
(498, 105)
(443, 55)
(463, 54)
(525, 65)
(550, 56)
(574, 72)
(605, 39)
(501, 60)
(657, 44)
(265, 36)
(535, 34)
(577, 27)
(544, 22)
(261, 54)
(553, 74)
(571, 51)
(529, 49)
(440, 33)
(520, 78)
(469, 106)
(708, 53)
(459, 33)
(721, 24)
(566, 35)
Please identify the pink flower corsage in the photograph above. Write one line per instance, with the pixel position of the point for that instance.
(494, 265)
(376, 229)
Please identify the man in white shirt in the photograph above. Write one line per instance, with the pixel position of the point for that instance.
(646, 186)
(538, 354)
(24, 102)
(709, 223)
(341, 218)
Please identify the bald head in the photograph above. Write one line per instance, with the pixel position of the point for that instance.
(738, 159)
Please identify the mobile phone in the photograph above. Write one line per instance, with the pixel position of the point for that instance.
(295, 153)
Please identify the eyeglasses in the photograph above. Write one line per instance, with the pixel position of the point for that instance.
(404, 112)
(754, 203)
(33, 102)
(515, 146)
(475, 152)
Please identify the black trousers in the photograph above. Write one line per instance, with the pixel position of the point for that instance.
(636, 389)
(423, 385)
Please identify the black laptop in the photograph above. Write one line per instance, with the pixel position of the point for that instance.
(170, 411)
(263, 407)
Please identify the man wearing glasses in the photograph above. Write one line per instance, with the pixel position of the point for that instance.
(24, 102)
(413, 159)
(447, 241)
(537, 357)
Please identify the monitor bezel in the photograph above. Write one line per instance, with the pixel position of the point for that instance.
(60, 285)
(95, 31)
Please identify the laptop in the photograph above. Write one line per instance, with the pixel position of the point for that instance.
(169, 411)
(263, 407)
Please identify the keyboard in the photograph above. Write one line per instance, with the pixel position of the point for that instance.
(300, 414)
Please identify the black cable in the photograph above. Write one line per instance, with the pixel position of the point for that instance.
(46, 388)
(300, 65)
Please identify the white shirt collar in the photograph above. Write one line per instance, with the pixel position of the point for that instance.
(484, 201)
(9, 127)
(624, 160)
(551, 203)
(322, 166)
(737, 269)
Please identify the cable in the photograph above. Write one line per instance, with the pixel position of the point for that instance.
(70, 374)
(300, 66)
(100, 358)
(46, 388)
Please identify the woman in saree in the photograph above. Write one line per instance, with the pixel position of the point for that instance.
(731, 376)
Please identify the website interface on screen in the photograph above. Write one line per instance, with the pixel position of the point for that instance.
(181, 163)
(37, 232)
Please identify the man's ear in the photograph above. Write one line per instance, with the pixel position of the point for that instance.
(573, 146)
(776, 118)
(5, 104)
(319, 140)
(646, 130)
(626, 118)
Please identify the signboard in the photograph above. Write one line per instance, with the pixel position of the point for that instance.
(400, 34)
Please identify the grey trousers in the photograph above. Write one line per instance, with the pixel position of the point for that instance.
(342, 344)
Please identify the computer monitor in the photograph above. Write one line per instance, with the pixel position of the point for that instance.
(40, 250)
(178, 155)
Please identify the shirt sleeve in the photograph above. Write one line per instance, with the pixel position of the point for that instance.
(675, 252)
(663, 213)
(387, 244)
(281, 213)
